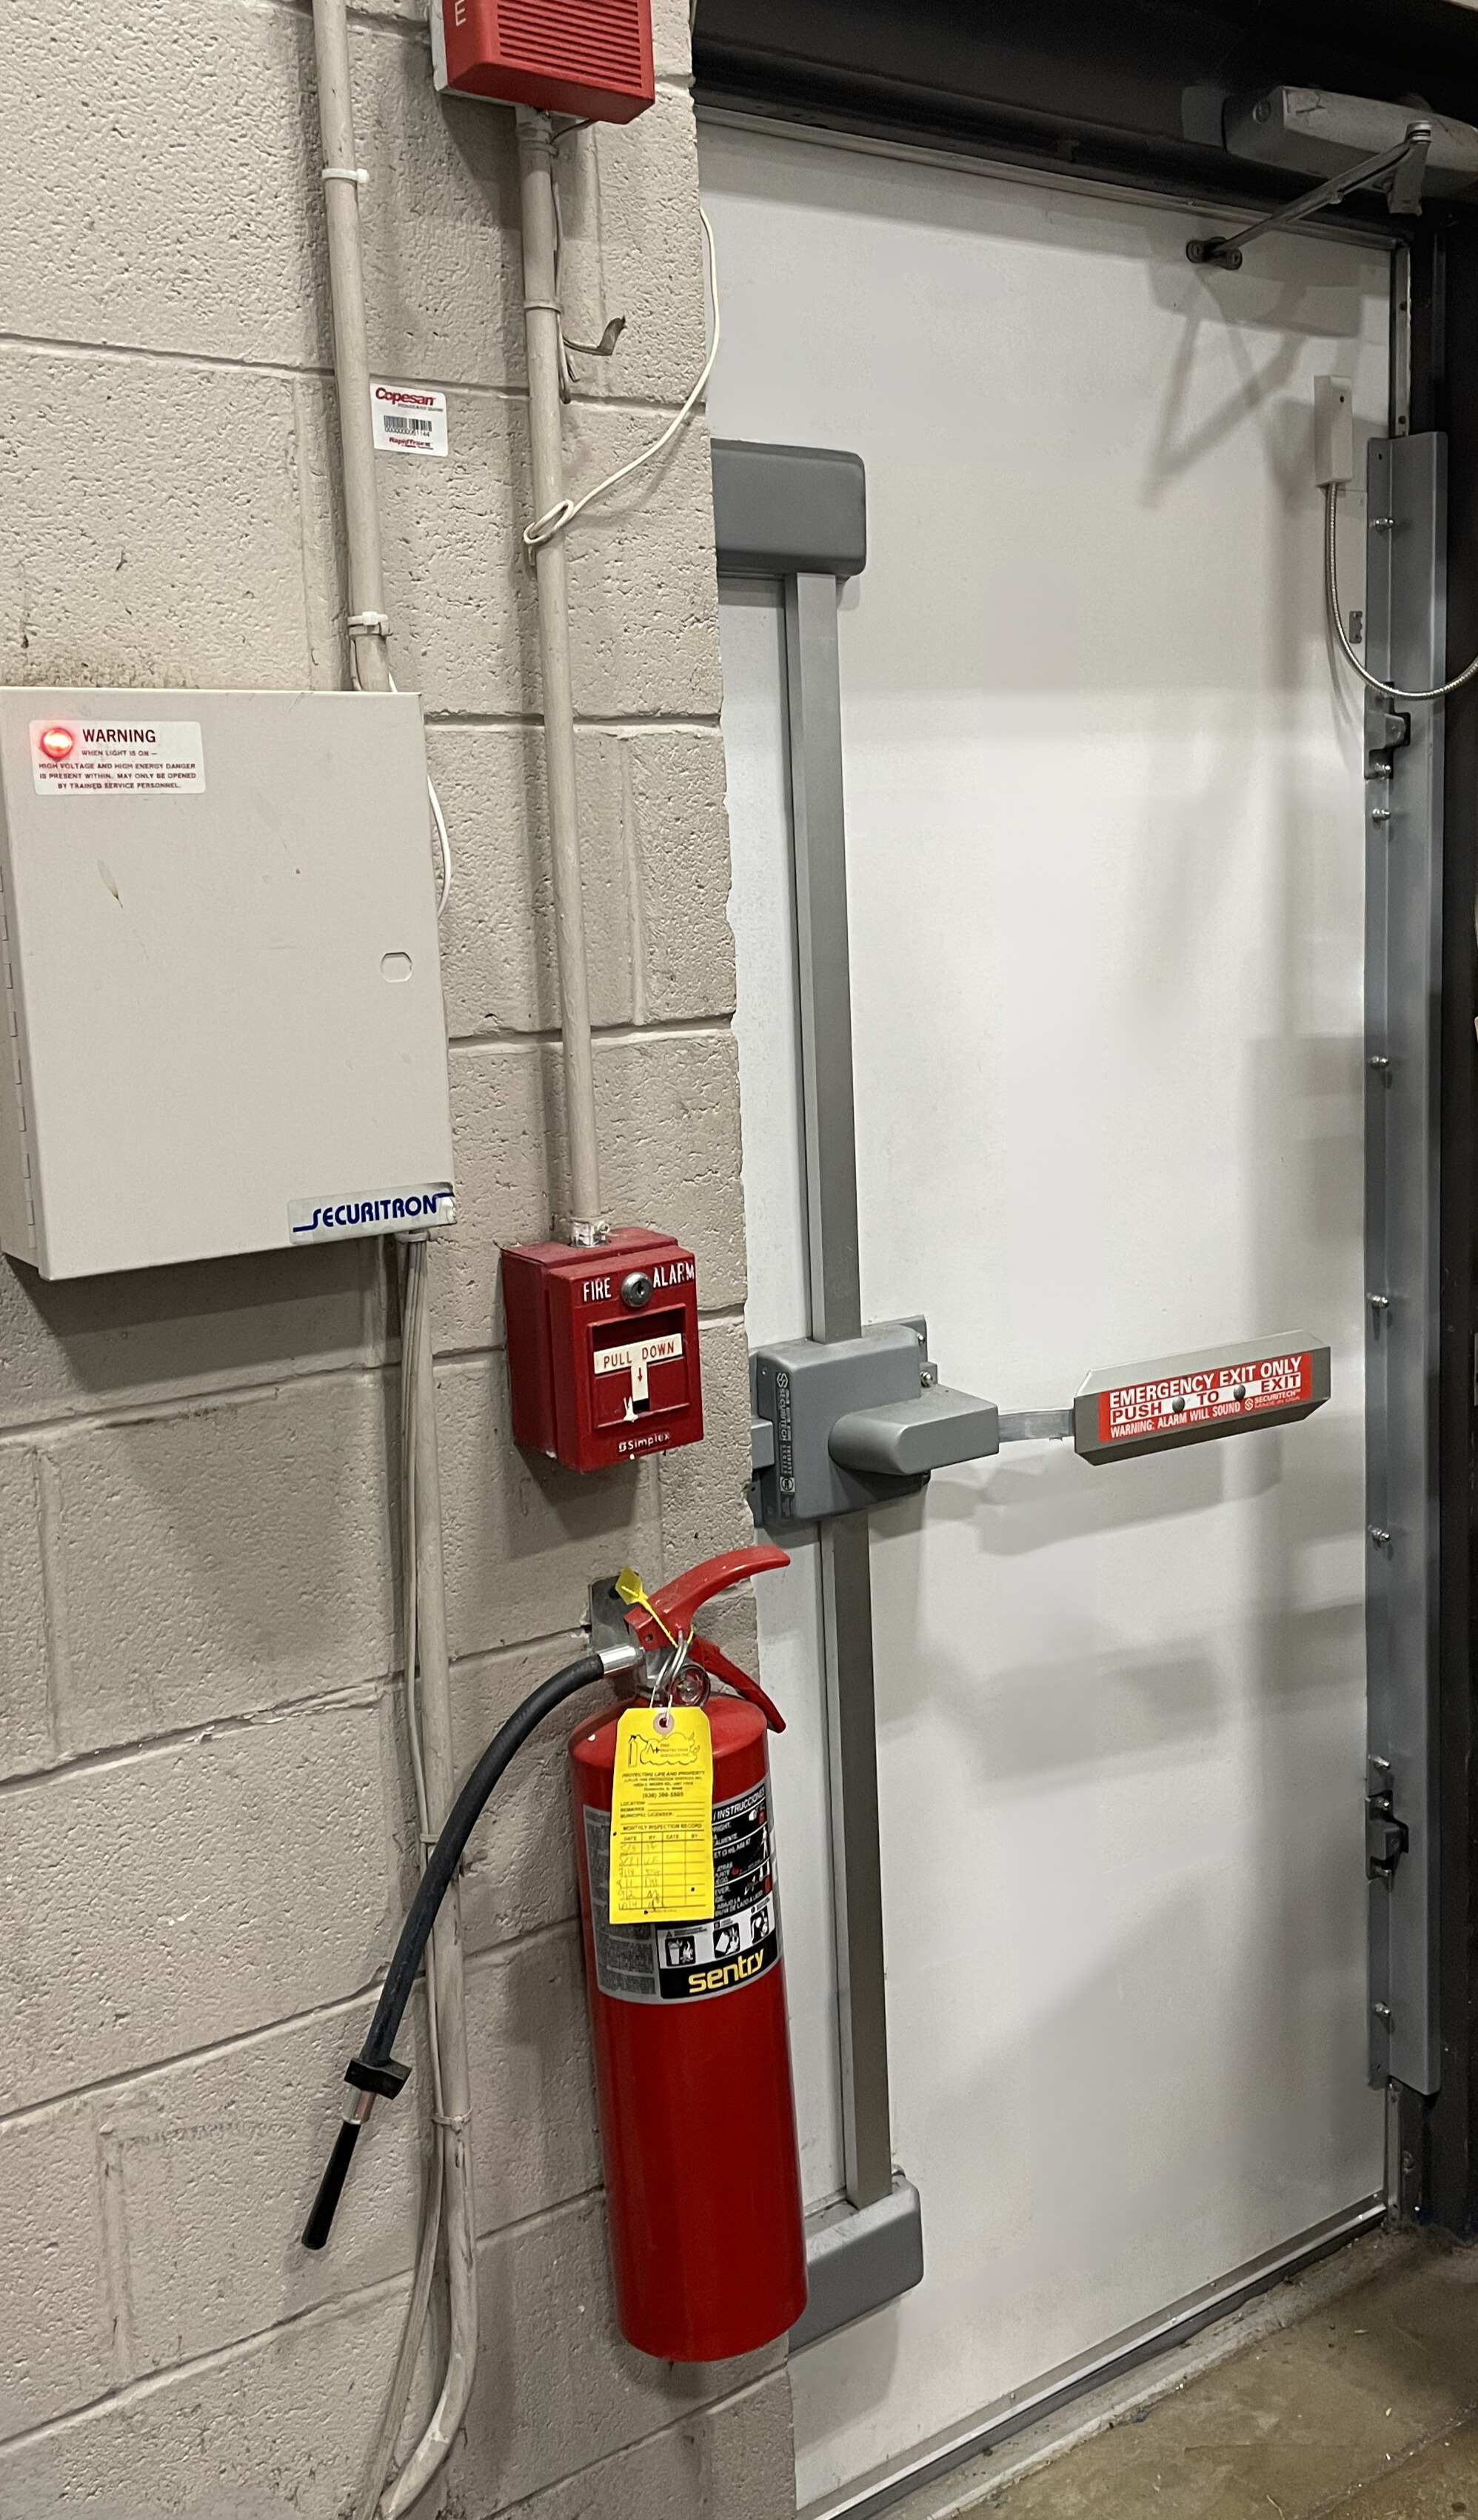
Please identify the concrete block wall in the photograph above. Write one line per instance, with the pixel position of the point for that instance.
(204, 1835)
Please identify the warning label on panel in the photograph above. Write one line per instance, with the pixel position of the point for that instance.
(408, 421)
(1178, 1402)
(134, 756)
(729, 1949)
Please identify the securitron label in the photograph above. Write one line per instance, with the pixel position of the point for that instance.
(380, 1211)
(1186, 1399)
(126, 757)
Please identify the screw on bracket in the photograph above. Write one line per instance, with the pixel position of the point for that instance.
(1380, 813)
(1379, 1539)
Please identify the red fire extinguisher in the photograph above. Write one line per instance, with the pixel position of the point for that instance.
(692, 2061)
(691, 2057)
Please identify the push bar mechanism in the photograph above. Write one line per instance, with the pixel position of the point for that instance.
(840, 1425)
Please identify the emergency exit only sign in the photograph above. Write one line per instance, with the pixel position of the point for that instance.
(1191, 1399)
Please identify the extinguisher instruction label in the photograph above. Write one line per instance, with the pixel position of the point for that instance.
(684, 1963)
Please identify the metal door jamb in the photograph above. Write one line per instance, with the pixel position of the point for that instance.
(1406, 642)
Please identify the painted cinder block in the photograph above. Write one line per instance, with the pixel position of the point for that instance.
(655, 852)
(730, 2461)
(56, 2326)
(27, 1737)
(73, 1346)
(153, 529)
(704, 1508)
(263, 1523)
(668, 1110)
(160, 1901)
(277, 2429)
(524, 1538)
(215, 2162)
(560, 2388)
(519, 1874)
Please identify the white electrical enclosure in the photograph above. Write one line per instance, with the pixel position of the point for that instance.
(222, 977)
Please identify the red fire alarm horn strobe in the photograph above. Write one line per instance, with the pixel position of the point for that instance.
(586, 57)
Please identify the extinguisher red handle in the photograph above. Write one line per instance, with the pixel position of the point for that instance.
(679, 1602)
(711, 1658)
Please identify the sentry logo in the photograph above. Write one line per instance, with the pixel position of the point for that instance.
(319, 1220)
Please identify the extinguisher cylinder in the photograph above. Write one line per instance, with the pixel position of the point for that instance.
(693, 2068)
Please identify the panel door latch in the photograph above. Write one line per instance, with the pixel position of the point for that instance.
(1387, 1839)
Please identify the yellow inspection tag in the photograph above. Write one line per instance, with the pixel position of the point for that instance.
(661, 1816)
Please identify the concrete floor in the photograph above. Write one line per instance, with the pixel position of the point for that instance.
(1357, 2395)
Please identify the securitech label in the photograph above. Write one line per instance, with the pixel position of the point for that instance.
(407, 421)
(372, 1212)
(128, 758)
(686, 1963)
(1179, 1402)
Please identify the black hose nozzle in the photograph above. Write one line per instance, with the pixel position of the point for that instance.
(320, 2222)
(372, 2083)
(373, 2072)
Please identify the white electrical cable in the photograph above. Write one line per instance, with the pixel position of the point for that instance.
(439, 819)
(544, 528)
(443, 842)
(413, 1296)
(1372, 682)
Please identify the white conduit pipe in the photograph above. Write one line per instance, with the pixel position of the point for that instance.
(369, 627)
(541, 319)
(430, 1718)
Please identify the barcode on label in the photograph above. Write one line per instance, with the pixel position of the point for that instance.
(408, 419)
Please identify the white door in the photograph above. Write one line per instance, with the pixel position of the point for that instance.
(1105, 841)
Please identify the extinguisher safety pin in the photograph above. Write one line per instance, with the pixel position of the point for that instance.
(675, 1663)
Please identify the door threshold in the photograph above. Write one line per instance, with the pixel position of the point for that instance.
(1061, 2389)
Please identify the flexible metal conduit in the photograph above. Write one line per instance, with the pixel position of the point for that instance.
(541, 319)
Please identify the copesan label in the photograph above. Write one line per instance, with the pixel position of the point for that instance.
(407, 421)
(380, 1211)
(1175, 1403)
(72, 756)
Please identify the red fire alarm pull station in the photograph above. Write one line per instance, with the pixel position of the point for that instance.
(592, 57)
(603, 1347)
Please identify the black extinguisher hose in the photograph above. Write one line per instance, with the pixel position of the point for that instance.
(375, 2072)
